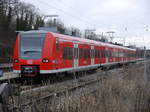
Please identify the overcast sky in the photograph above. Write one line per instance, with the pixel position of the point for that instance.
(103, 15)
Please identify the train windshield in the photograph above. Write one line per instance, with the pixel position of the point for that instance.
(31, 46)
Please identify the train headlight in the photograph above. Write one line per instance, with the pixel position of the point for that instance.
(16, 61)
(45, 60)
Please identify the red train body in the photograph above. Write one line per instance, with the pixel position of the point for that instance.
(41, 52)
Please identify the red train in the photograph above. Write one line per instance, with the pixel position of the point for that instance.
(42, 52)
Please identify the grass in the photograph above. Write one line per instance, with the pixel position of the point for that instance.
(124, 91)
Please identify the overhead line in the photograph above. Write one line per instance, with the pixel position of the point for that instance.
(65, 12)
(66, 5)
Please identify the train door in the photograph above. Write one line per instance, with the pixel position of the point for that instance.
(106, 55)
(76, 53)
(92, 55)
(57, 54)
(101, 55)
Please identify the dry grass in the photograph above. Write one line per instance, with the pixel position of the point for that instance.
(122, 92)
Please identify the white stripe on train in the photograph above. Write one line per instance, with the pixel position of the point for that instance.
(79, 68)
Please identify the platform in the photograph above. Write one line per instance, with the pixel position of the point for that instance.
(9, 75)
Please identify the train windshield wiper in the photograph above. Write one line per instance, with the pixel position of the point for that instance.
(31, 51)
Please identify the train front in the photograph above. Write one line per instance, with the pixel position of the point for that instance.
(28, 53)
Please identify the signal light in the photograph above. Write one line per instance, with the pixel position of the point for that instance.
(45, 60)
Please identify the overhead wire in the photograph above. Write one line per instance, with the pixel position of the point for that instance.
(66, 13)
(66, 5)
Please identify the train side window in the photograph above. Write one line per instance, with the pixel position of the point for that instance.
(64, 53)
(85, 53)
(57, 44)
(70, 53)
(100, 54)
(80, 53)
(110, 54)
(96, 53)
(105, 54)
(88, 51)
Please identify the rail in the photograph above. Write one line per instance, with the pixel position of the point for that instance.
(5, 65)
(59, 93)
(62, 92)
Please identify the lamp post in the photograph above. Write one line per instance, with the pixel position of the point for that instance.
(145, 60)
(111, 35)
(88, 32)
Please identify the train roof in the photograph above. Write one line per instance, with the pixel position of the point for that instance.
(77, 39)
(67, 37)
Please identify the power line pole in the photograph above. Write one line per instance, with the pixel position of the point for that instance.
(145, 60)
(124, 39)
(50, 16)
(111, 35)
(145, 66)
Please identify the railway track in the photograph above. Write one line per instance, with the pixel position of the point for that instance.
(5, 65)
(37, 88)
(6, 72)
(31, 88)
(79, 85)
(72, 86)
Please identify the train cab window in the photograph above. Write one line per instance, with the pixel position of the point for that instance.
(80, 53)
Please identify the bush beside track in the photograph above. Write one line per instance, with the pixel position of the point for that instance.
(7, 39)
